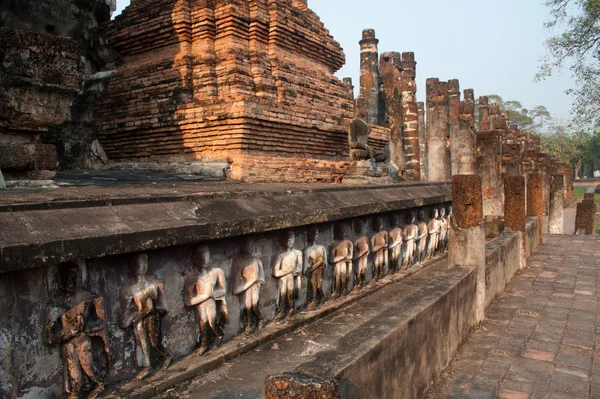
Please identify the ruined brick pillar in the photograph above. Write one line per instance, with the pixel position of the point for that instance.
(464, 142)
(535, 199)
(422, 140)
(347, 82)
(515, 210)
(489, 169)
(438, 160)
(367, 103)
(557, 198)
(542, 166)
(298, 385)
(484, 114)
(391, 77)
(494, 116)
(466, 246)
(453, 123)
(585, 218)
(410, 118)
(511, 158)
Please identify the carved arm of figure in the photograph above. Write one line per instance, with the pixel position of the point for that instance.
(220, 291)
(298, 269)
(55, 322)
(192, 297)
(100, 329)
(278, 271)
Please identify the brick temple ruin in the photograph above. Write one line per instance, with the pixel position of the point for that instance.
(129, 289)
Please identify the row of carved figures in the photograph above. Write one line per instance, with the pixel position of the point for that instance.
(77, 316)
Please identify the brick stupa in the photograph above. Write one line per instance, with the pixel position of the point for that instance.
(250, 81)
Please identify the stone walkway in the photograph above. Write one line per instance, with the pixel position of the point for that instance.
(542, 335)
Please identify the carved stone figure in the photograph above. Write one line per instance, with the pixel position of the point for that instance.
(341, 256)
(205, 290)
(380, 244)
(287, 268)
(143, 304)
(248, 278)
(443, 230)
(396, 239)
(315, 257)
(73, 321)
(434, 228)
(358, 138)
(422, 238)
(411, 234)
(361, 252)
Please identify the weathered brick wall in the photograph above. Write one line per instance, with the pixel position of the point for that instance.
(207, 82)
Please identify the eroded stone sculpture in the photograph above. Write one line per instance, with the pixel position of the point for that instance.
(287, 269)
(443, 230)
(248, 278)
(342, 251)
(73, 320)
(396, 240)
(361, 252)
(205, 291)
(433, 228)
(411, 234)
(358, 138)
(380, 245)
(143, 304)
(422, 238)
(316, 259)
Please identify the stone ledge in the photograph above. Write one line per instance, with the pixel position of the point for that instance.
(193, 366)
(42, 237)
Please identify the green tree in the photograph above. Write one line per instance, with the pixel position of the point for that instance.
(534, 121)
(579, 45)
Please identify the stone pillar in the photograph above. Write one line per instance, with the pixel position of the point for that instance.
(349, 86)
(464, 143)
(557, 198)
(298, 385)
(453, 124)
(489, 169)
(422, 140)
(391, 78)
(438, 159)
(494, 116)
(535, 199)
(367, 104)
(515, 214)
(484, 115)
(511, 158)
(585, 218)
(410, 118)
(466, 245)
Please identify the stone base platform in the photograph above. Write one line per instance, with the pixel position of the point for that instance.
(367, 172)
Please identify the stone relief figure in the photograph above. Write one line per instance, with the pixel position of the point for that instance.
(143, 304)
(380, 245)
(411, 234)
(287, 269)
(443, 230)
(434, 227)
(73, 321)
(362, 250)
(248, 278)
(315, 258)
(205, 290)
(422, 238)
(396, 239)
(341, 257)
(358, 139)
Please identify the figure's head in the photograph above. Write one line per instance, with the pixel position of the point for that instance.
(201, 256)
(412, 217)
(288, 239)
(449, 210)
(69, 277)
(338, 232)
(139, 264)
(442, 212)
(435, 213)
(312, 235)
(421, 215)
(246, 245)
(378, 224)
(359, 226)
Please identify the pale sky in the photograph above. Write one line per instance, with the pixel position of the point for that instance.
(491, 46)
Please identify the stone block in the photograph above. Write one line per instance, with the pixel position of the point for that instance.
(298, 385)
(585, 217)
(514, 203)
(27, 157)
(467, 201)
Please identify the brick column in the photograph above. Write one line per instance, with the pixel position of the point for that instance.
(515, 210)
(484, 115)
(466, 246)
(453, 124)
(535, 199)
(557, 198)
(367, 103)
(410, 118)
(438, 160)
(464, 143)
(391, 78)
(422, 140)
(489, 169)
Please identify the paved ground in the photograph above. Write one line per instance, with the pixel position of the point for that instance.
(542, 336)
